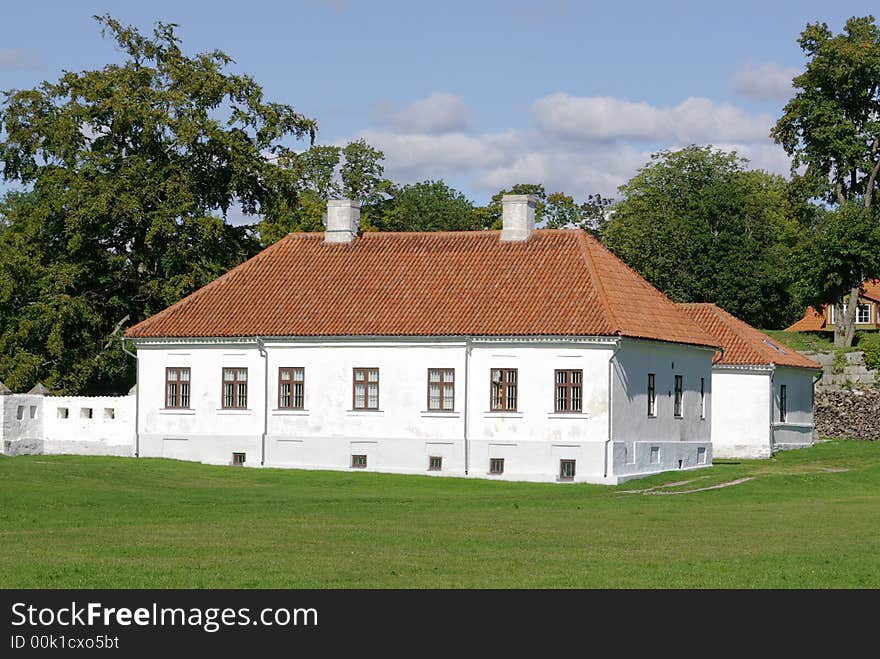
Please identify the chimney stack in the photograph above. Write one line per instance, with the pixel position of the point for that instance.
(343, 221)
(517, 216)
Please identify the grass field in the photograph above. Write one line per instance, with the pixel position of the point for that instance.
(806, 519)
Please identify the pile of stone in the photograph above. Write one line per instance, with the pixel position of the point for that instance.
(852, 414)
(853, 374)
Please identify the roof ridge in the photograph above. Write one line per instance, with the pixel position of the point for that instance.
(597, 281)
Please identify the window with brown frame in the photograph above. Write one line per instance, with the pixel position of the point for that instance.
(358, 462)
(783, 403)
(566, 470)
(435, 463)
(569, 390)
(441, 389)
(679, 393)
(496, 465)
(365, 392)
(504, 389)
(291, 388)
(176, 387)
(235, 386)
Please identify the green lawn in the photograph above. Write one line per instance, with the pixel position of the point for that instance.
(86, 522)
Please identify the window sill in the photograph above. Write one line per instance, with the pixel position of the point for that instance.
(502, 415)
(185, 411)
(364, 413)
(568, 415)
(235, 411)
(285, 412)
(440, 414)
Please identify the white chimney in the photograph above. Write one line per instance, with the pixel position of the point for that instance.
(517, 216)
(343, 220)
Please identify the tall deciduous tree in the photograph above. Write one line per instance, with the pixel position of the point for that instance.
(427, 206)
(702, 228)
(831, 128)
(131, 170)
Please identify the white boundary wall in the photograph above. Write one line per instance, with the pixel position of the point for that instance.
(83, 425)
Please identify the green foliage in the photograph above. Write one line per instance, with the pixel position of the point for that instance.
(702, 228)
(427, 206)
(803, 341)
(869, 343)
(90, 522)
(831, 130)
(130, 171)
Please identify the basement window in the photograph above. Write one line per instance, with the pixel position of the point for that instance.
(496, 466)
(238, 459)
(109, 413)
(566, 470)
(62, 412)
(655, 455)
(701, 455)
(358, 462)
(435, 463)
(85, 413)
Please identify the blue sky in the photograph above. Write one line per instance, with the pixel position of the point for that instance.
(574, 95)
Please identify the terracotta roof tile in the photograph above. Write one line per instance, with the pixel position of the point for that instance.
(813, 321)
(742, 343)
(871, 289)
(559, 282)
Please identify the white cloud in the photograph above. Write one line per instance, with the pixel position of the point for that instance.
(413, 156)
(765, 81)
(598, 118)
(437, 113)
(580, 145)
(19, 59)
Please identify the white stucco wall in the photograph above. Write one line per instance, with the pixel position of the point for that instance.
(746, 423)
(402, 435)
(797, 430)
(21, 423)
(741, 419)
(678, 442)
(109, 431)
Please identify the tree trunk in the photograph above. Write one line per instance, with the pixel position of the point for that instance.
(845, 325)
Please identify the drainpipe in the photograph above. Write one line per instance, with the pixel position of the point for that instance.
(261, 346)
(772, 405)
(610, 402)
(467, 356)
(137, 397)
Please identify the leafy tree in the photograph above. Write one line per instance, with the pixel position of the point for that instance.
(428, 206)
(131, 169)
(562, 211)
(702, 228)
(831, 128)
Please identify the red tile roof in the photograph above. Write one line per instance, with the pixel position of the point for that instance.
(742, 343)
(559, 282)
(871, 289)
(813, 321)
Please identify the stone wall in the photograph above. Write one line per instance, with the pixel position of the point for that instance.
(849, 374)
(854, 414)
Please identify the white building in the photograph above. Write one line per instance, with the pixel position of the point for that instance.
(522, 354)
(763, 390)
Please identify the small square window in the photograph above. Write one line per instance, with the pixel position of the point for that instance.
(566, 470)
(85, 413)
(435, 463)
(655, 455)
(109, 413)
(62, 412)
(496, 466)
(701, 455)
(238, 459)
(358, 462)
(19, 413)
